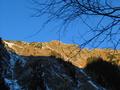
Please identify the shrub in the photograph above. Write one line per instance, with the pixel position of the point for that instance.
(92, 59)
(37, 45)
(57, 55)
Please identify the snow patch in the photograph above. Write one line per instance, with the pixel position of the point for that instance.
(9, 44)
(12, 84)
(93, 85)
(47, 88)
(12, 44)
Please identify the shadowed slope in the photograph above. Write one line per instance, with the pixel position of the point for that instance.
(44, 72)
(105, 73)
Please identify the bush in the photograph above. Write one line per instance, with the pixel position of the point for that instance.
(37, 45)
(93, 59)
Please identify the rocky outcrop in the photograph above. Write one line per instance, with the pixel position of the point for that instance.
(3, 85)
(4, 61)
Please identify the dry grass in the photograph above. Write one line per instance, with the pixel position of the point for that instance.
(66, 51)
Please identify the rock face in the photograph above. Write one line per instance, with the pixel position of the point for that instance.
(34, 72)
(4, 60)
(3, 86)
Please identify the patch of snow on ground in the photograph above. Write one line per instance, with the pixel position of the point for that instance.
(9, 44)
(12, 84)
(93, 85)
(47, 88)
(12, 44)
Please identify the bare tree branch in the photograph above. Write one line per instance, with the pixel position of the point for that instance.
(70, 10)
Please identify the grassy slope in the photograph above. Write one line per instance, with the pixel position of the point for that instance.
(67, 51)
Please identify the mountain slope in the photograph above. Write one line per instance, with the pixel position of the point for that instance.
(68, 52)
(38, 69)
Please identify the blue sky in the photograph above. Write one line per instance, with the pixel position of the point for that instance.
(16, 23)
